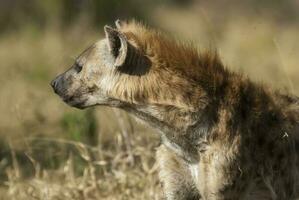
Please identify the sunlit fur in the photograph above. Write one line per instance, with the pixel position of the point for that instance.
(223, 136)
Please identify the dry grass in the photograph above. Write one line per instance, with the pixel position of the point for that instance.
(50, 151)
(106, 175)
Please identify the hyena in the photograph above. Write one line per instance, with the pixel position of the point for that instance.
(223, 136)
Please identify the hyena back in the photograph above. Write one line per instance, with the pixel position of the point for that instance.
(223, 136)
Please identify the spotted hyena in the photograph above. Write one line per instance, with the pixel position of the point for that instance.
(223, 136)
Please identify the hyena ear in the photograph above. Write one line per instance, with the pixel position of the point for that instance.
(117, 45)
(118, 24)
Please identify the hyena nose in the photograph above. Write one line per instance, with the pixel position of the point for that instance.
(54, 84)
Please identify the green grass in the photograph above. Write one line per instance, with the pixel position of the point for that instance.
(80, 126)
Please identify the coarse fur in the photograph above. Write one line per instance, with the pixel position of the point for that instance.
(223, 136)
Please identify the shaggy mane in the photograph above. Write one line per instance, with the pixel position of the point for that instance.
(171, 53)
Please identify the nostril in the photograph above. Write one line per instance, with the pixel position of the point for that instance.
(53, 83)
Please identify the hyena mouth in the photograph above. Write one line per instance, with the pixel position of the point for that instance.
(77, 105)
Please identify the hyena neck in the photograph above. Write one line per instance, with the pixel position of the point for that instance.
(183, 132)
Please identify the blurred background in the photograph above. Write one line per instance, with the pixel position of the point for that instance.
(51, 151)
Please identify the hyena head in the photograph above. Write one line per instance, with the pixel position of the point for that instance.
(96, 72)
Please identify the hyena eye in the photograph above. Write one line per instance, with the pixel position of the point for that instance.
(78, 67)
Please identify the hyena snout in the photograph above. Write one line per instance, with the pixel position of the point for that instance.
(68, 92)
(60, 86)
(55, 84)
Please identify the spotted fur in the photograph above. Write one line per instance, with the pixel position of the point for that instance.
(223, 136)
